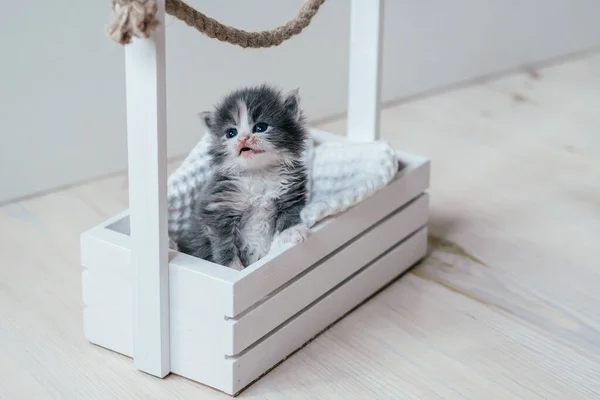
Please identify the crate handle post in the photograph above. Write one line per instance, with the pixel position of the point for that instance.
(143, 29)
(147, 158)
(364, 70)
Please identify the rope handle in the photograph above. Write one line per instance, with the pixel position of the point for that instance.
(138, 18)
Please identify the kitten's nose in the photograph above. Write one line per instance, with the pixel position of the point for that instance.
(244, 140)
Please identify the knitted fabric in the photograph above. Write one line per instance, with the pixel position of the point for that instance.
(341, 174)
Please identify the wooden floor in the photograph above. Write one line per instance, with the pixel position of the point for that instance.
(507, 306)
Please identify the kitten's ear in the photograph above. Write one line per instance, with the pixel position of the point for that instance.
(292, 104)
(207, 118)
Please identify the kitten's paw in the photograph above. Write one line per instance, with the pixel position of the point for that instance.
(236, 264)
(295, 234)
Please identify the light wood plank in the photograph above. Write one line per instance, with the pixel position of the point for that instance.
(427, 342)
(526, 202)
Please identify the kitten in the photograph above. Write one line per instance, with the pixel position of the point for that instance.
(259, 184)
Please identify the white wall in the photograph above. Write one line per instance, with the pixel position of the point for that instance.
(62, 118)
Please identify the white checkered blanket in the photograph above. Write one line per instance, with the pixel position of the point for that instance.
(341, 174)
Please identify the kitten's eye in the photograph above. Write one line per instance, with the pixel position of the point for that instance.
(260, 127)
(231, 133)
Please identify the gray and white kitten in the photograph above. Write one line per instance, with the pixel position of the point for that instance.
(259, 184)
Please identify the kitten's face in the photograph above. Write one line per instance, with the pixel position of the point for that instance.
(255, 129)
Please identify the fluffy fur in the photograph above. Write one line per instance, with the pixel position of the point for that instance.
(259, 184)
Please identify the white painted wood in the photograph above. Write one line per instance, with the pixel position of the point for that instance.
(147, 153)
(265, 276)
(364, 70)
(107, 289)
(199, 333)
(198, 330)
(203, 294)
(259, 321)
(92, 239)
(116, 231)
(252, 364)
(198, 301)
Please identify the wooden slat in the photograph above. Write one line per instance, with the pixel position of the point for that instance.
(197, 299)
(104, 248)
(274, 348)
(293, 298)
(265, 276)
(107, 320)
(199, 333)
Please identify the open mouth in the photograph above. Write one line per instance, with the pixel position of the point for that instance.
(247, 151)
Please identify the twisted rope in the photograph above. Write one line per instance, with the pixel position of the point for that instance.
(138, 18)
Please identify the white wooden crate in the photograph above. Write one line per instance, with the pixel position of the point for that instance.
(172, 312)
(229, 327)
